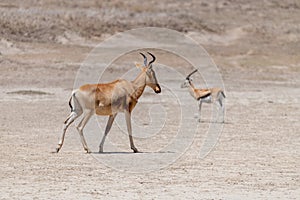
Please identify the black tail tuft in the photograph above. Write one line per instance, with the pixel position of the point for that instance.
(70, 104)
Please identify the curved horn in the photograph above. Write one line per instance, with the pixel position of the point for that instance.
(153, 58)
(193, 72)
(145, 59)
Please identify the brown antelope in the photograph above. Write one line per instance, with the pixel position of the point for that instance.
(210, 95)
(109, 99)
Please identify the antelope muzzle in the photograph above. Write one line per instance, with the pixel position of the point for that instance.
(157, 89)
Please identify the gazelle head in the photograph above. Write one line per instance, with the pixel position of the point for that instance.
(188, 80)
(151, 79)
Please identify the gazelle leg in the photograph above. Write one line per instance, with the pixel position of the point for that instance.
(215, 111)
(199, 116)
(74, 115)
(128, 122)
(80, 128)
(222, 108)
(107, 129)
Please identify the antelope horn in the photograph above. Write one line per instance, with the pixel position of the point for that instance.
(153, 58)
(193, 72)
(145, 59)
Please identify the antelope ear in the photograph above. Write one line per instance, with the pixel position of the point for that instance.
(138, 65)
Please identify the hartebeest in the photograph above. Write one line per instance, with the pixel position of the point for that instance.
(210, 95)
(110, 99)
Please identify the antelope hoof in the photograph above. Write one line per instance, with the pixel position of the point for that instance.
(58, 148)
(134, 150)
(87, 150)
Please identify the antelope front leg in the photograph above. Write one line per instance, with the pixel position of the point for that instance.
(107, 129)
(128, 122)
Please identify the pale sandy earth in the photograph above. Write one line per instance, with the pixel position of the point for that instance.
(256, 47)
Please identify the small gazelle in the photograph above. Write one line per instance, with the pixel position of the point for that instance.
(210, 95)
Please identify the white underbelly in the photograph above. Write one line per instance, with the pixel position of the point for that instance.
(206, 99)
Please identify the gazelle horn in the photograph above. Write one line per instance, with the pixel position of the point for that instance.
(193, 72)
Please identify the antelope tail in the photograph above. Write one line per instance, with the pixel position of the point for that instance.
(70, 103)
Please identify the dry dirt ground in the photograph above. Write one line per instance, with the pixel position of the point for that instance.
(256, 47)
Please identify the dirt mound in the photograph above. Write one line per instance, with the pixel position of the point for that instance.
(248, 24)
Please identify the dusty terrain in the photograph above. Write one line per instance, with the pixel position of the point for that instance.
(255, 45)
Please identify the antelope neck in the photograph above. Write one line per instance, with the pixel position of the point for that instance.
(139, 85)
